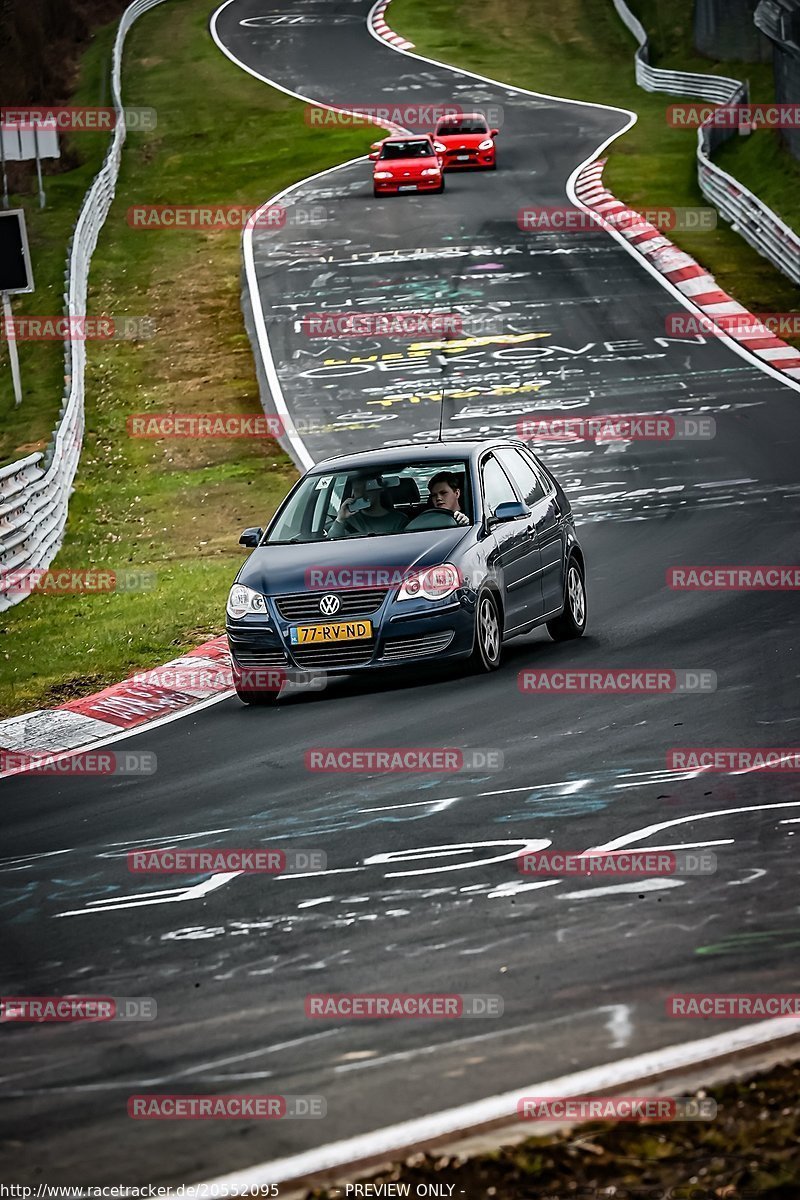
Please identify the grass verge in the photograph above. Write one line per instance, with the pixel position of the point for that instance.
(583, 51)
(172, 507)
(759, 161)
(748, 1150)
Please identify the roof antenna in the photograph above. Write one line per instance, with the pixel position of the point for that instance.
(444, 364)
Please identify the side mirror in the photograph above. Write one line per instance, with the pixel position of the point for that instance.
(493, 132)
(251, 537)
(510, 510)
(375, 150)
(440, 159)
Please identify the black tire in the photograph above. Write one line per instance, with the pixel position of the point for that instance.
(487, 646)
(260, 699)
(439, 190)
(375, 193)
(571, 623)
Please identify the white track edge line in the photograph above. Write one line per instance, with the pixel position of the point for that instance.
(145, 727)
(394, 1139)
(300, 449)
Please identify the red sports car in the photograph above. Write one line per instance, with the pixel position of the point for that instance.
(466, 141)
(406, 164)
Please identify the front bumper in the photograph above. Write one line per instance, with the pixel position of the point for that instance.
(411, 632)
(391, 187)
(476, 160)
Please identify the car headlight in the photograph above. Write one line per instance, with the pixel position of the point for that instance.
(486, 145)
(383, 174)
(434, 583)
(243, 600)
(431, 171)
(440, 147)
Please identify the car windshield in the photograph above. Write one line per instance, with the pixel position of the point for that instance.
(357, 503)
(420, 148)
(453, 128)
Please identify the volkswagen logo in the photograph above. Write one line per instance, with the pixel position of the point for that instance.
(329, 605)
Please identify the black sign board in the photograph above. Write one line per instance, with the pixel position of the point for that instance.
(15, 259)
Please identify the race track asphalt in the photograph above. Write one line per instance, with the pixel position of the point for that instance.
(583, 966)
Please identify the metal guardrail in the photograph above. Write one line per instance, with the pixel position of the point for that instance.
(748, 215)
(35, 491)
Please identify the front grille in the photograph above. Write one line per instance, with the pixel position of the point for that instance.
(355, 602)
(414, 647)
(259, 658)
(353, 654)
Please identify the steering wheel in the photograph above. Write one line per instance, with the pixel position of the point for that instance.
(434, 518)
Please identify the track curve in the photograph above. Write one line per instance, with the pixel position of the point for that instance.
(583, 972)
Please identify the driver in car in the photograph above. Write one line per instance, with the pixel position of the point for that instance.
(445, 496)
(364, 511)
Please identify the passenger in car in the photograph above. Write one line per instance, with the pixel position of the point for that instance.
(445, 494)
(371, 515)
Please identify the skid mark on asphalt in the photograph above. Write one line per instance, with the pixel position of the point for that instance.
(172, 1076)
(617, 1021)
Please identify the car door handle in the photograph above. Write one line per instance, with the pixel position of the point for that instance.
(531, 530)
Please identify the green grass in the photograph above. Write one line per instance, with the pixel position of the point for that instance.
(759, 161)
(581, 49)
(174, 507)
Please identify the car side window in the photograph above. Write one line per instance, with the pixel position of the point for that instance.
(497, 488)
(541, 474)
(523, 474)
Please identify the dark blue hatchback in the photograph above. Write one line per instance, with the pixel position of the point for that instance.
(422, 553)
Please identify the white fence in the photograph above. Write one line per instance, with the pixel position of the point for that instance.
(35, 491)
(749, 216)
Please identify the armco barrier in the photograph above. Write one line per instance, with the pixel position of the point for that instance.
(34, 492)
(749, 216)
